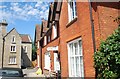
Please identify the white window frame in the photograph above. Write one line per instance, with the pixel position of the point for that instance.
(13, 48)
(74, 57)
(56, 63)
(12, 60)
(54, 31)
(13, 38)
(47, 61)
(25, 49)
(45, 40)
(72, 12)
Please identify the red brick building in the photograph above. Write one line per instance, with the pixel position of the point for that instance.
(74, 34)
(39, 32)
(37, 44)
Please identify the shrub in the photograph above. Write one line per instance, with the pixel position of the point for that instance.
(107, 59)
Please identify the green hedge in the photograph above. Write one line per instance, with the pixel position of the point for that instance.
(107, 59)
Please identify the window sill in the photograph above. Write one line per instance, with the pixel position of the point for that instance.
(71, 22)
(12, 64)
(46, 68)
(12, 51)
(25, 52)
(13, 42)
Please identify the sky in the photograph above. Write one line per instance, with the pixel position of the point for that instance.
(24, 15)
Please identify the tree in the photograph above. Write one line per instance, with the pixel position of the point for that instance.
(107, 59)
(34, 54)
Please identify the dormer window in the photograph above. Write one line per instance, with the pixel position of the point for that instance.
(13, 39)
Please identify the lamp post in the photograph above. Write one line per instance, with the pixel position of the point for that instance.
(3, 51)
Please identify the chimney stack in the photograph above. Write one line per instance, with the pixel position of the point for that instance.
(3, 25)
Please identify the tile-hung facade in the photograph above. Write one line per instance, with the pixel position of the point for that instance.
(80, 27)
(16, 48)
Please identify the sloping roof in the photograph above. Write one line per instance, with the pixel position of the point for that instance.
(10, 32)
(44, 22)
(37, 32)
(25, 38)
(51, 10)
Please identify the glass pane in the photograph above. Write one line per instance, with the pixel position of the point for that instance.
(71, 50)
(76, 48)
(72, 65)
(80, 48)
(9, 60)
(9, 73)
(77, 66)
(81, 67)
(75, 8)
(11, 48)
(15, 59)
(70, 46)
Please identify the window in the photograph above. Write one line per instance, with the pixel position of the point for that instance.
(45, 40)
(25, 48)
(56, 62)
(12, 60)
(13, 48)
(49, 38)
(72, 9)
(75, 58)
(54, 31)
(13, 38)
(47, 60)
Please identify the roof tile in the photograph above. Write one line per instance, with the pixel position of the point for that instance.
(25, 38)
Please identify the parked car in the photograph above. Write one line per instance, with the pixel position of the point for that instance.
(10, 72)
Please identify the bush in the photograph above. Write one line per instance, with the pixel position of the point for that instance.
(107, 59)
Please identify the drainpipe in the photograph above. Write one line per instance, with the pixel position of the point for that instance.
(92, 26)
(41, 56)
(93, 33)
(3, 51)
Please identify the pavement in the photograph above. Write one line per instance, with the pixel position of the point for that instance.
(35, 75)
(32, 73)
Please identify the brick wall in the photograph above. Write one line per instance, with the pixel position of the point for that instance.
(78, 29)
(103, 18)
(44, 50)
(103, 15)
